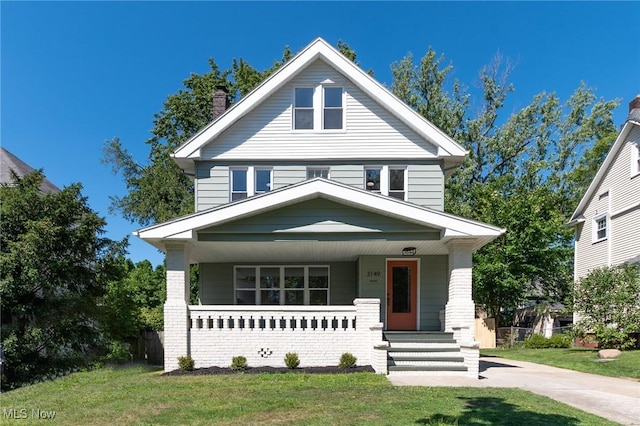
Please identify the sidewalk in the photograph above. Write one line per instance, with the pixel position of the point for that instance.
(614, 399)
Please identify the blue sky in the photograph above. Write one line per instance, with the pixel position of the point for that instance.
(75, 74)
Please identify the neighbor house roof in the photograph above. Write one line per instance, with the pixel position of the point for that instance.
(578, 214)
(447, 148)
(9, 162)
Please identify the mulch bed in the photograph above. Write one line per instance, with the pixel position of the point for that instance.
(271, 370)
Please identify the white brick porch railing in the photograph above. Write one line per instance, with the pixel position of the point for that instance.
(264, 334)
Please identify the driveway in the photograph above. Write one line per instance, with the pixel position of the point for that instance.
(614, 399)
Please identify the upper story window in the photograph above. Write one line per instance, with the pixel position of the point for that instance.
(317, 172)
(238, 184)
(332, 108)
(635, 159)
(372, 179)
(600, 228)
(303, 108)
(248, 181)
(318, 108)
(397, 183)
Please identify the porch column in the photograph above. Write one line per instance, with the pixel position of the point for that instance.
(460, 308)
(176, 311)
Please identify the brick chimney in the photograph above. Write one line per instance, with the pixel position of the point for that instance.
(220, 101)
(634, 109)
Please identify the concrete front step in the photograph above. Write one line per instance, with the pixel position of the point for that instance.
(426, 346)
(425, 368)
(426, 358)
(418, 336)
(429, 349)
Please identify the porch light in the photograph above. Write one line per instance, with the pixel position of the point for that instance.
(408, 251)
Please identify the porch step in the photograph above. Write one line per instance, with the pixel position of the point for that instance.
(423, 352)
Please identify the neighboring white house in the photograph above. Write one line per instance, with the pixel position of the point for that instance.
(319, 229)
(607, 220)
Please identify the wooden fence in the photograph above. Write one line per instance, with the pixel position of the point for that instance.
(150, 347)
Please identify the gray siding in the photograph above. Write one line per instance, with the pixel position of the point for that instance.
(216, 282)
(211, 185)
(352, 175)
(371, 280)
(288, 175)
(426, 185)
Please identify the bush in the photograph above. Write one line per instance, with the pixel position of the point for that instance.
(186, 363)
(291, 360)
(538, 341)
(239, 363)
(347, 360)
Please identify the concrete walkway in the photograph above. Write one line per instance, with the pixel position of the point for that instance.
(614, 399)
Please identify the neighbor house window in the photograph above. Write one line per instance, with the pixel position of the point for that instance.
(601, 228)
(317, 172)
(282, 285)
(372, 179)
(238, 184)
(303, 108)
(332, 108)
(635, 158)
(397, 182)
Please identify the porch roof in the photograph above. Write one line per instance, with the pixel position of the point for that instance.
(426, 229)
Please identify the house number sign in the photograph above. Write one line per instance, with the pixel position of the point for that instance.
(373, 276)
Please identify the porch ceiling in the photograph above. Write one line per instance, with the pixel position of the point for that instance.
(305, 251)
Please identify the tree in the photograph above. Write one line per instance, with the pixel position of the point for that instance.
(524, 172)
(608, 301)
(54, 266)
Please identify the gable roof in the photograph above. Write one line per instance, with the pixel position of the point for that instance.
(185, 228)
(448, 149)
(617, 146)
(9, 162)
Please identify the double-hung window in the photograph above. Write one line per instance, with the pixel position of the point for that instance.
(281, 285)
(600, 228)
(397, 182)
(332, 108)
(372, 179)
(238, 184)
(262, 180)
(303, 108)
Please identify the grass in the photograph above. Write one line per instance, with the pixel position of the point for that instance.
(626, 365)
(139, 395)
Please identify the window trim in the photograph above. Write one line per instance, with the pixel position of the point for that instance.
(231, 190)
(596, 229)
(255, 179)
(405, 185)
(258, 290)
(324, 107)
(294, 108)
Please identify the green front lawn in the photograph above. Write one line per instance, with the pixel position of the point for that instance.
(139, 395)
(626, 365)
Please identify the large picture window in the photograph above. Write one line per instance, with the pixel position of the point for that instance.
(281, 285)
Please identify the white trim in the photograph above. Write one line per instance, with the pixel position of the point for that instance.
(635, 159)
(320, 49)
(625, 209)
(595, 229)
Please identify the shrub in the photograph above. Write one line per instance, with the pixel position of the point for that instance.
(239, 363)
(186, 363)
(560, 341)
(536, 341)
(347, 360)
(291, 360)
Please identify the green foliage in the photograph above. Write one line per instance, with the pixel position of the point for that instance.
(119, 352)
(525, 172)
(186, 363)
(607, 302)
(538, 341)
(347, 360)
(291, 360)
(239, 363)
(54, 268)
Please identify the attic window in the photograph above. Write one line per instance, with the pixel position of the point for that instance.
(600, 228)
(303, 108)
(332, 108)
(318, 108)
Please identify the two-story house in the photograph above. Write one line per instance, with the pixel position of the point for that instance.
(319, 225)
(607, 220)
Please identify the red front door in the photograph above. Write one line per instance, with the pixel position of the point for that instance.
(402, 294)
